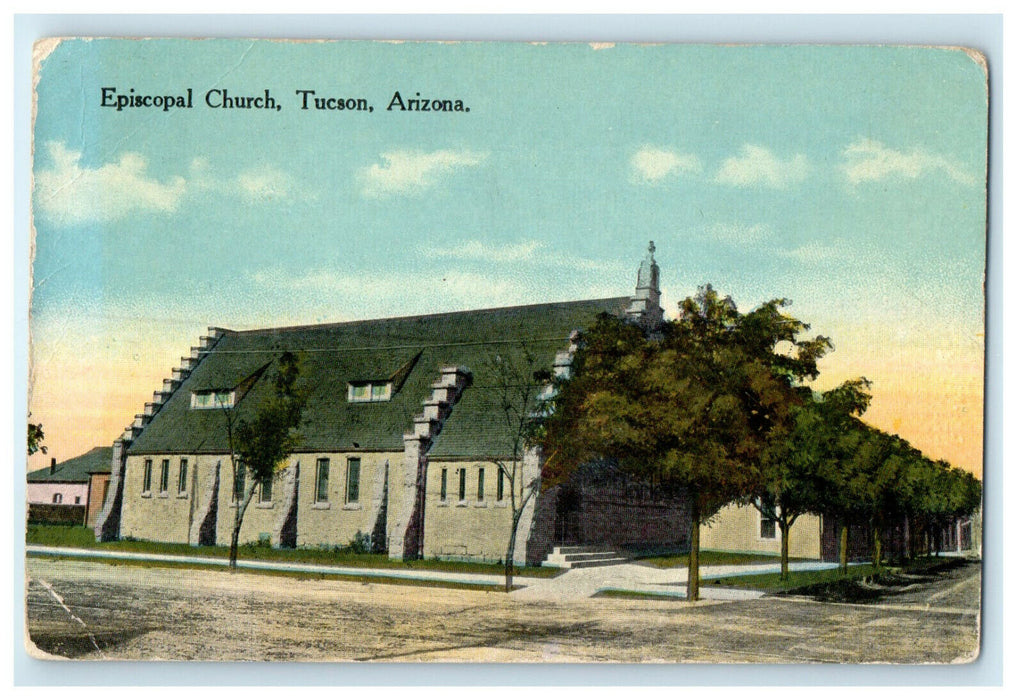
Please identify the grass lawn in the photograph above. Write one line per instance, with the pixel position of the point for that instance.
(797, 579)
(710, 557)
(637, 595)
(82, 537)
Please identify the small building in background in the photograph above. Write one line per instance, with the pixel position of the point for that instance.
(70, 492)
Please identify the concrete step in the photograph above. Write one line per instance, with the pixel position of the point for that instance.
(584, 556)
(599, 562)
(576, 557)
(580, 549)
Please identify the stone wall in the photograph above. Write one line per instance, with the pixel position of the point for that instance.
(471, 527)
(738, 529)
(204, 512)
(161, 516)
(601, 506)
(335, 521)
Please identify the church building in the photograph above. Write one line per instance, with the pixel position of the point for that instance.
(401, 436)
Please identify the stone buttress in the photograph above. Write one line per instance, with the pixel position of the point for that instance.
(108, 522)
(407, 483)
(529, 528)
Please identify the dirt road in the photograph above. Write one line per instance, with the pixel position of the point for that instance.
(97, 610)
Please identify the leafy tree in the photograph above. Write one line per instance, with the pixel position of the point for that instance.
(35, 438)
(879, 478)
(261, 441)
(965, 493)
(517, 385)
(840, 493)
(690, 406)
(877, 470)
(800, 465)
(943, 495)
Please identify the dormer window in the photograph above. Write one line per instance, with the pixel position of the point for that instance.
(213, 399)
(359, 392)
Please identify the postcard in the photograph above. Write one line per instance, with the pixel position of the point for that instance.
(506, 352)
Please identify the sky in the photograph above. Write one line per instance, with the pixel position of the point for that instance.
(850, 180)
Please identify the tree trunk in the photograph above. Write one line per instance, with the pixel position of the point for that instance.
(693, 579)
(510, 552)
(876, 539)
(785, 525)
(233, 555)
(239, 514)
(517, 515)
(844, 536)
(907, 549)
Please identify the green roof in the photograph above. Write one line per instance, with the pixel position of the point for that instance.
(77, 469)
(415, 348)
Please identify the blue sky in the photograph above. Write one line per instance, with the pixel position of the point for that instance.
(848, 179)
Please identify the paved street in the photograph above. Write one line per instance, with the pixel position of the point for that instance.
(93, 610)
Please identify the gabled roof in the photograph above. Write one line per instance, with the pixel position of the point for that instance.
(409, 351)
(77, 469)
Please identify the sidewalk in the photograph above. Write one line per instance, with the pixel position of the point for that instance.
(573, 584)
(251, 564)
(640, 578)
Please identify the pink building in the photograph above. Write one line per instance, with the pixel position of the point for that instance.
(72, 491)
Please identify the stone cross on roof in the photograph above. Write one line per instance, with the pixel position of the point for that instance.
(645, 306)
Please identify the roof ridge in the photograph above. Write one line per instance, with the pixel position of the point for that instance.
(464, 312)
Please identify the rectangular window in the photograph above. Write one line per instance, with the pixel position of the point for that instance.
(323, 471)
(267, 489)
(213, 399)
(444, 484)
(183, 476)
(462, 484)
(78, 499)
(239, 483)
(147, 475)
(165, 471)
(361, 392)
(768, 531)
(480, 485)
(352, 481)
(501, 485)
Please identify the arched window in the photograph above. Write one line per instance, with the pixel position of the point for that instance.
(58, 498)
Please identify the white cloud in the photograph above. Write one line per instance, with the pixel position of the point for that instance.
(652, 164)
(68, 193)
(738, 233)
(870, 161)
(824, 253)
(431, 291)
(265, 184)
(758, 166)
(409, 172)
(475, 250)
